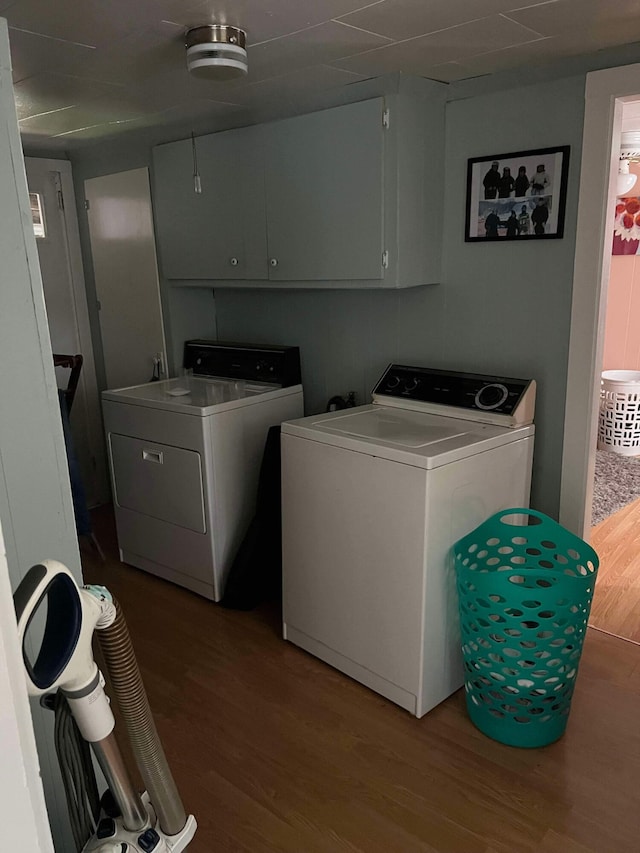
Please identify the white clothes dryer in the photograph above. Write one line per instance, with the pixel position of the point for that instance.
(185, 457)
(374, 498)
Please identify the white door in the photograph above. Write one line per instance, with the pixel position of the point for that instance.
(126, 276)
(56, 226)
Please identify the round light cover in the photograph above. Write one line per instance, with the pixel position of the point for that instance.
(216, 52)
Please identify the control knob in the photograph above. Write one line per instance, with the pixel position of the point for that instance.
(491, 396)
(410, 384)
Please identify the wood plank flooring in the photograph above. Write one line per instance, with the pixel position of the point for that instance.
(273, 750)
(616, 601)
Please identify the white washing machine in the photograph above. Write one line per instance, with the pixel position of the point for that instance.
(185, 457)
(374, 498)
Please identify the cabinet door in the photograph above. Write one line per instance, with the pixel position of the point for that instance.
(324, 186)
(219, 233)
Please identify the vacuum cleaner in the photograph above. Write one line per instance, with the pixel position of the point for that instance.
(49, 604)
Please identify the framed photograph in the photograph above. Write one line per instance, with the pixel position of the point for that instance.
(518, 196)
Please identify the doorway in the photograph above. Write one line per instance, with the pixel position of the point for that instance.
(615, 515)
(55, 225)
(617, 596)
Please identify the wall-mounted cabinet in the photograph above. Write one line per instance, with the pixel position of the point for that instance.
(324, 182)
(348, 197)
(220, 232)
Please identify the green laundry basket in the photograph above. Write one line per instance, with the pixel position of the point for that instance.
(525, 586)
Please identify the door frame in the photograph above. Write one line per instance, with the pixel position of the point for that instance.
(605, 94)
(88, 379)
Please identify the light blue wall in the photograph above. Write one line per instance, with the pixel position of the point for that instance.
(36, 509)
(188, 313)
(346, 338)
(501, 309)
(507, 307)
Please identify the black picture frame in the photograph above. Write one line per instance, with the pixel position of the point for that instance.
(512, 216)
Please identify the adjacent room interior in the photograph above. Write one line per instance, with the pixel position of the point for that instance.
(616, 488)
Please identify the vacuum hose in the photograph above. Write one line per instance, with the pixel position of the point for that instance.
(129, 691)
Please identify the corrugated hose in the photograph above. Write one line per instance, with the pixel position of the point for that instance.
(126, 681)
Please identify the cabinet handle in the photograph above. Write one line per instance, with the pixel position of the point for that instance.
(233, 262)
(274, 262)
(153, 456)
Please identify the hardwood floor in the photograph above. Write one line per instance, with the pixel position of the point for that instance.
(616, 601)
(273, 750)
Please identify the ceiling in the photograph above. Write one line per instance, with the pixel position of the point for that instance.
(88, 69)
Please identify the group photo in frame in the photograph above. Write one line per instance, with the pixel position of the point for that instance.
(517, 196)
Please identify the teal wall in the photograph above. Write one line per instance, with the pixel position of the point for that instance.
(508, 307)
(346, 337)
(36, 509)
(499, 308)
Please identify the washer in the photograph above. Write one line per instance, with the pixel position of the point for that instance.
(374, 498)
(185, 456)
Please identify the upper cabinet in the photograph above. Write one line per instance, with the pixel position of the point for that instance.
(325, 194)
(220, 232)
(348, 197)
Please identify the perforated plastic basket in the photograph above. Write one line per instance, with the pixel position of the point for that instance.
(619, 421)
(525, 586)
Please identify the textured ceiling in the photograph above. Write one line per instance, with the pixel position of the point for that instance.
(87, 69)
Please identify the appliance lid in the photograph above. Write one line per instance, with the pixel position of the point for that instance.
(387, 427)
(197, 396)
(415, 438)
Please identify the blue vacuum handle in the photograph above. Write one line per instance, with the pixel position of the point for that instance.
(52, 582)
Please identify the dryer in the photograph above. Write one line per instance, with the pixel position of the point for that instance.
(374, 498)
(185, 457)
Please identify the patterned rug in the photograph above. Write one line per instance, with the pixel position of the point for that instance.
(617, 484)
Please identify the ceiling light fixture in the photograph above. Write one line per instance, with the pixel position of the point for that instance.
(216, 51)
(629, 152)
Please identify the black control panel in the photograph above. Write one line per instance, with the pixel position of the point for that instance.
(252, 362)
(477, 391)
